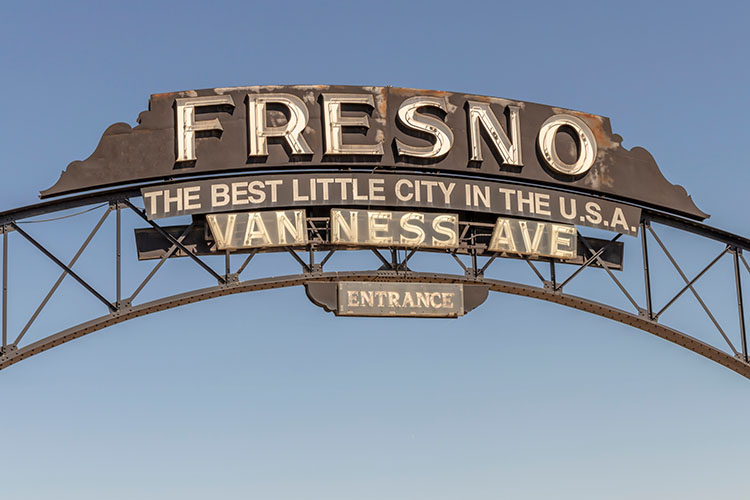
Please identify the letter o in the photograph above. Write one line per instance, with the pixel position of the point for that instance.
(586, 142)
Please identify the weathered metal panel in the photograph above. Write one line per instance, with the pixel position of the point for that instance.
(151, 245)
(419, 300)
(232, 231)
(388, 190)
(528, 237)
(338, 127)
(393, 229)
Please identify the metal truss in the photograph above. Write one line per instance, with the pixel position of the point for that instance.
(548, 279)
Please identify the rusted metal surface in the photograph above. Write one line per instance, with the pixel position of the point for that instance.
(735, 364)
(151, 245)
(148, 151)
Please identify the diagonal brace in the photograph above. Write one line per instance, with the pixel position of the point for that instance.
(692, 282)
(164, 258)
(174, 241)
(533, 268)
(692, 289)
(305, 266)
(609, 271)
(588, 262)
(62, 276)
(57, 261)
(382, 259)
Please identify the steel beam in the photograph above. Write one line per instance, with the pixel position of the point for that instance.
(57, 261)
(738, 365)
(740, 305)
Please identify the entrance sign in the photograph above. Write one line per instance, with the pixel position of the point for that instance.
(298, 128)
(540, 239)
(397, 299)
(400, 299)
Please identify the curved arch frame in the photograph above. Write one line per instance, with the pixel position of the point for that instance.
(574, 302)
(645, 317)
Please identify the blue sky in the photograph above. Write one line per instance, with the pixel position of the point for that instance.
(264, 395)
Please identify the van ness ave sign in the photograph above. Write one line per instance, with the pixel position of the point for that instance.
(285, 128)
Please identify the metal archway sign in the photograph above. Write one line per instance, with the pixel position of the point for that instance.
(310, 171)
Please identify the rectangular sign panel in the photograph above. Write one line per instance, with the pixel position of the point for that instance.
(366, 190)
(540, 239)
(437, 300)
(152, 245)
(386, 228)
(258, 229)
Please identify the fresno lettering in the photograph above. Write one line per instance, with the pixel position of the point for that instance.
(419, 114)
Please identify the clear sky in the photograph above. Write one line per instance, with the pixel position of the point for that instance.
(266, 396)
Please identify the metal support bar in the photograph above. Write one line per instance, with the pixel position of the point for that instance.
(382, 259)
(118, 285)
(62, 277)
(552, 274)
(692, 289)
(172, 240)
(466, 269)
(487, 264)
(742, 258)
(314, 228)
(325, 259)
(463, 233)
(5, 286)
(740, 305)
(588, 262)
(302, 263)
(408, 256)
(533, 268)
(692, 282)
(57, 261)
(610, 273)
(646, 271)
(227, 262)
(247, 261)
(161, 262)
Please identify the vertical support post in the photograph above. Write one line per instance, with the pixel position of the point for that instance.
(119, 255)
(646, 271)
(227, 264)
(740, 305)
(5, 287)
(552, 274)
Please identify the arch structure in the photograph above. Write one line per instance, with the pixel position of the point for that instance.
(548, 280)
(309, 157)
